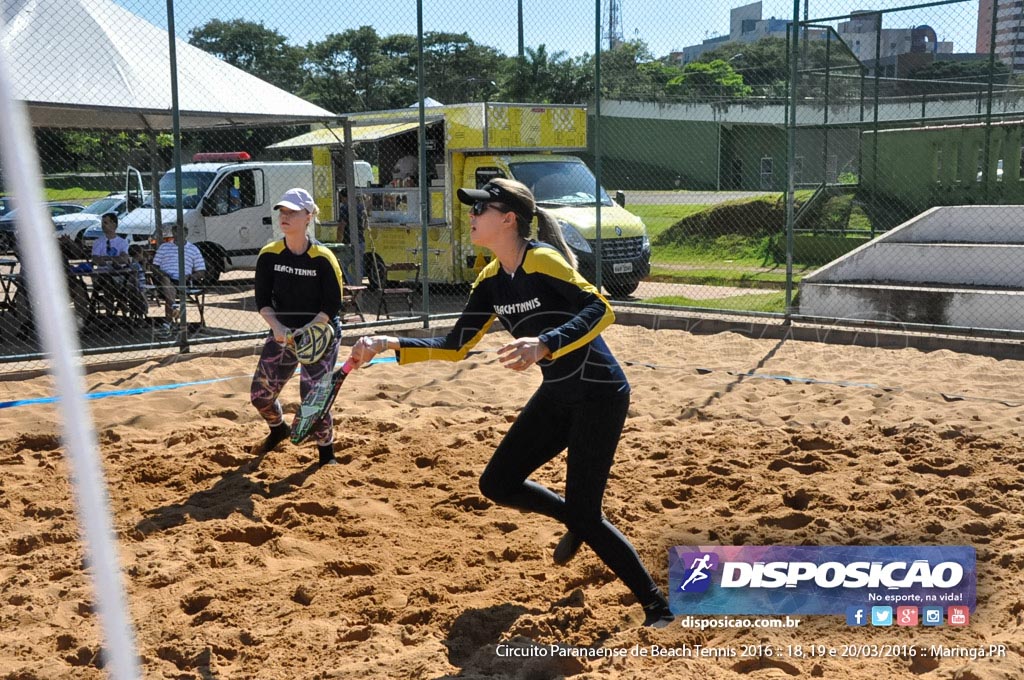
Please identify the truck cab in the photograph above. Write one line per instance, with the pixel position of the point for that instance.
(565, 186)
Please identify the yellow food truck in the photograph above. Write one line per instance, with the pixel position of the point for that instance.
(467, 145)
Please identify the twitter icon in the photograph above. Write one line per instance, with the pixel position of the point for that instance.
(881, 616)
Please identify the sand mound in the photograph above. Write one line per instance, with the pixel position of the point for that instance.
(392, 564)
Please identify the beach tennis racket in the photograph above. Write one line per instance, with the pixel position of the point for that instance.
(319, 401)
(312, 342)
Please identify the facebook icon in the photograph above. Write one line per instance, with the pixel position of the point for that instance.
(856, 616)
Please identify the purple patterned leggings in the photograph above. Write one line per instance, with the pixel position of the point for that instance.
(277, 365)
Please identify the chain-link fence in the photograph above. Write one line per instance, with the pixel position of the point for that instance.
(789, 161)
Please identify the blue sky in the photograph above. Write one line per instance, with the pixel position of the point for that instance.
(567, 25)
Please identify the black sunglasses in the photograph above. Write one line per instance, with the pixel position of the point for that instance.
(480, 207)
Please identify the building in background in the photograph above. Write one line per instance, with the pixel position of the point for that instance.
(745, 26)
(984, 41)
(1009, 32)
(865, 39)
(860, 33)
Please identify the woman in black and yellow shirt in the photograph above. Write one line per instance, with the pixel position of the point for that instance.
(298, 283)
(556, 316)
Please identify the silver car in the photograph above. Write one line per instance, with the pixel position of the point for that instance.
(73, 225)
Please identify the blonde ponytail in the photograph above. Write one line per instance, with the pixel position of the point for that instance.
(550, 232)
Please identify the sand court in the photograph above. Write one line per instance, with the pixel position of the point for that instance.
(393, 565)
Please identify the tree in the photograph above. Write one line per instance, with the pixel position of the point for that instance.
(714, 80)
(109, 152)
(252, 47)
(763, 64)
(621, 77)
(357, 70)
(963, 71)
(457, 69)
(544, 77)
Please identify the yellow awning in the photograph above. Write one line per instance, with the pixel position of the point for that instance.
(336, 136)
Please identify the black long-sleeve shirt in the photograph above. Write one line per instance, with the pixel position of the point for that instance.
(544, 298)
(298, 287)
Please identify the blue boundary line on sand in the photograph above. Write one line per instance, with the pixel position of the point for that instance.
(143, 390)
(787, 379)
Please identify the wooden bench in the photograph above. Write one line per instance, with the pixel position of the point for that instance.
(350, 301)
(403, 287)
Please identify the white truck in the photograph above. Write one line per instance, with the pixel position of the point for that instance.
(228, 205)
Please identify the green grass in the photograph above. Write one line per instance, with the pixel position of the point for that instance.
(717, 258)
(859, 220)
(723, 276)
(770, 302)
(74, 195)
(735, 249)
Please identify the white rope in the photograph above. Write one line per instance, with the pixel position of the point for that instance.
(51, 304)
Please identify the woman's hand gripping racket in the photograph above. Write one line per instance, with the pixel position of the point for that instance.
(311, 342)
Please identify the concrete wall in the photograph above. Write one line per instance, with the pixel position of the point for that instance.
(999, 310)
(655, 153)
(952, 266)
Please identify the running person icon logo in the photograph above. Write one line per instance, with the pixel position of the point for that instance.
(697, 577)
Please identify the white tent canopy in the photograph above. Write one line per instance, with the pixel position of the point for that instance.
(93, 64)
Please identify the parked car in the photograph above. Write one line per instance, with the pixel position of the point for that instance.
(6, 205)
(7, 224)
(74, 225)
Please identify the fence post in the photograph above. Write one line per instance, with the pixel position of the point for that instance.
(794, 70)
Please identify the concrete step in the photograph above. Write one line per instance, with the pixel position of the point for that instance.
(962, 306)
(969, 264)
(964, 223)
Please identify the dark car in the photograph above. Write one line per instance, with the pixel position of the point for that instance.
(7, 224)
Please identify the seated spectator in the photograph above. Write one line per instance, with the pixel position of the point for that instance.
(346, 237)
(109, 253)
(406, 172)
(110, 250)
(234, 198)
(165, 269)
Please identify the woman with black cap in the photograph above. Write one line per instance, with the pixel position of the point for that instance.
(556, 317)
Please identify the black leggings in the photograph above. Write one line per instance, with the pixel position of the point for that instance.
(591, 432)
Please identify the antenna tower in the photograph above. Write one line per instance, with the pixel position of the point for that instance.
(614, 24)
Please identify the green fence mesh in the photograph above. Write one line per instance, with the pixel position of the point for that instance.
(809, 160)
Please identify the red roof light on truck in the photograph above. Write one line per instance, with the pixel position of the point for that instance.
(221, 157)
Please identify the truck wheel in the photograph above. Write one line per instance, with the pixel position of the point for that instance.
(621, 289)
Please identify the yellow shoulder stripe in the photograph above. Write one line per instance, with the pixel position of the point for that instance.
(550, 262)
(317, 250)
(275, 247)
